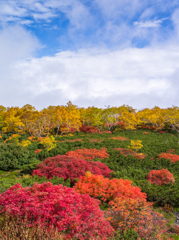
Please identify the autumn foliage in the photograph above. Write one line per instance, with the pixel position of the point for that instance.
(107, 189)
(120, 138)
(160, 177)
(173, 157)
(76, 215)
(127, 152)
(38, 151)
(96, 140)
(89, 154)
(69, 167)
(136, 214)
(88, 129)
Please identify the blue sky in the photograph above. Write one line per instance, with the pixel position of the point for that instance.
(96, 52)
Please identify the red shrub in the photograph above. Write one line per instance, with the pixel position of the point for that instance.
(147, 127)
(96, 140)
(74, 140)
(88, 129)
(105, 132)
(120, 138)
(69, 167)
(73, 130)
(107, 189)
(89, 154)
(160, 177)
(138, 215)
(173, 157)
(121, 124)
(171, 151)
(127, 152)
(38, 150)
(77, 215)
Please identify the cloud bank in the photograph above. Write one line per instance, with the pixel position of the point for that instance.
(137, 77)
(111, 53)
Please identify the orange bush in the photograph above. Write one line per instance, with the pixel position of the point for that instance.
(89, 154)
(138, 215)
(126, 152)
(173, 157)
(31, 138)
(96, 140)
(39, 139)
(38, 150)
(106, 189)
(119, 138)
(160, 177)
(171, 151)
(74, 140)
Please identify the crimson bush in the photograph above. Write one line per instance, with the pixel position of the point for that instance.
(69, 167)
(160, 177)
(71, 213)
(88, 129)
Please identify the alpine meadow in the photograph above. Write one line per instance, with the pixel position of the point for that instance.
(66, 171)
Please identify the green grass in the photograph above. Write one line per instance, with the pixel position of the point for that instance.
(128, 167)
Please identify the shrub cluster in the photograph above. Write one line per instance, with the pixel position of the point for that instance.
(57, 205)
(173, 157)
(69, 167)
(120, 138)
(28, 181)
(136, 214)
(160, 177)
(107, 189)
(13, 156)
(127, 152)
(96, 140)
(88, 129)
(89, 154)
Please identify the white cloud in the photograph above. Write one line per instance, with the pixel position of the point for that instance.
(16, 44)
(175, 19)
(26, 22)
(76, 12)
(139, 77)
(147, 13)
(150, 24)
(117, 8)
(94, 77)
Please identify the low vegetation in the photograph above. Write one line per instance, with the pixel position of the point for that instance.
(66, 181)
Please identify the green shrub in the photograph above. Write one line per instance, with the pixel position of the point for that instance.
(28, 181)
(13, 156)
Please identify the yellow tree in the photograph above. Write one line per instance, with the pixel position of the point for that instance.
(28, 120)
(2, 111)
(72, 118)
(129, 119)
(110, 116)
(42, 123)
(155, 116)
(95, 117)
(125, 108)
(26, 117)
(88, 116)
(60, 117)
(12, 121)
(83, 115)
(172, 118)
(136, 145)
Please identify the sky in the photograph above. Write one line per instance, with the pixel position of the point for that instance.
(89, 52)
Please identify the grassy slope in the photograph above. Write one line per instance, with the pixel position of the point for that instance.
(124, 167)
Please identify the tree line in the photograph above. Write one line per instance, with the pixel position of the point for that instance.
(63, 119)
